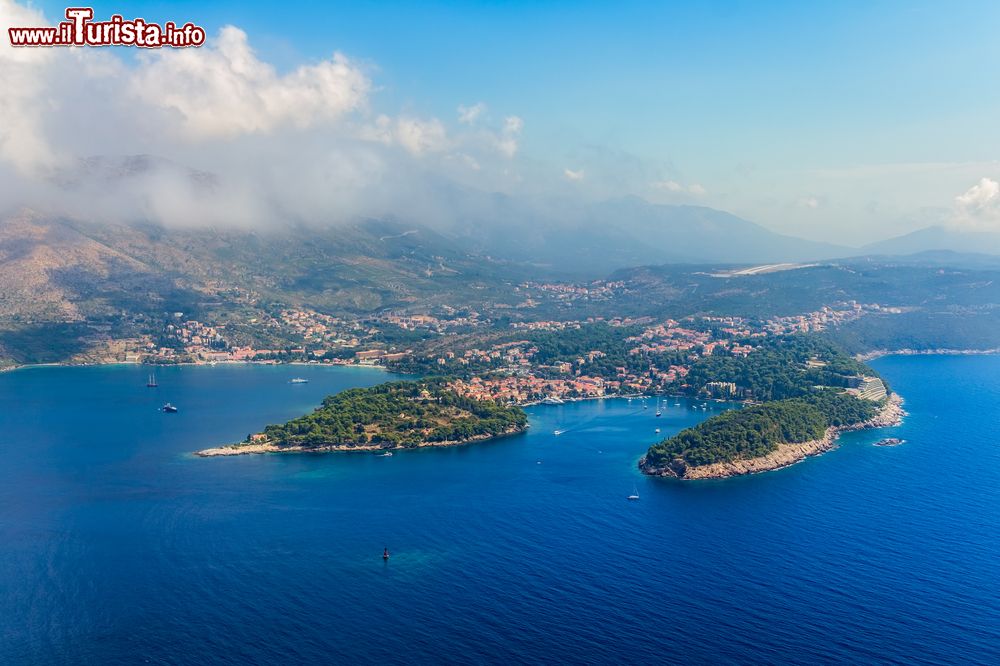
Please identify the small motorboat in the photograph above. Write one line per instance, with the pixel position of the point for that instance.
(557, 432)
(385, 554)
(387, 454)
(657, 430)
(298, 380)
(169, 408)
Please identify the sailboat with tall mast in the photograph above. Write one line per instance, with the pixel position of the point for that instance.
(151, 381)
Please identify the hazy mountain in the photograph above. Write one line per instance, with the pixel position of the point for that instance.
(48, 270)
(566, 235)
(61, 270)
(932, 258)
(598, 238)
(112, 171)
(563, 235)
(53, 269)
(65, 284)
(938, 238)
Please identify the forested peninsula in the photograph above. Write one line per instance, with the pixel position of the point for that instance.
(395, 415)
(812, 391)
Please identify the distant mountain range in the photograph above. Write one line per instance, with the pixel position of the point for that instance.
(938, 238)
(54, 269)
(66, 283)
(58, 269)
(589, 239)
(596, 238)
(565, 236)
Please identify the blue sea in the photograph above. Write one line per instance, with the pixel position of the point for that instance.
(119, 546)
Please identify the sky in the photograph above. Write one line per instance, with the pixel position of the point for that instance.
(847, 122)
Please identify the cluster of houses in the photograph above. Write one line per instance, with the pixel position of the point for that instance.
(526, 389)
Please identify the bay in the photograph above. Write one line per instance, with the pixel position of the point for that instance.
(119, 546)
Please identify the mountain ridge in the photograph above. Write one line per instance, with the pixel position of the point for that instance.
(938, 238)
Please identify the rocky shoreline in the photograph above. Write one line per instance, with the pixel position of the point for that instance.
(270, 447)
(786, 454)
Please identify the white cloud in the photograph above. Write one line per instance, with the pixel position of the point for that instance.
(512, 125)
(223, 89)
(421, 136)
(693, 189)
(416, 135)
(668, 185)
(978, 208)
(467, 161)
(507, 142)
(467, 115)
(982, 196)
(574, 176)
(22, 93)
(301, 145)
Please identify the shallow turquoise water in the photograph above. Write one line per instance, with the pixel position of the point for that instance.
(118, 546)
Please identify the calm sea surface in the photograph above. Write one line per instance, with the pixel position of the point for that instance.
(118, 546)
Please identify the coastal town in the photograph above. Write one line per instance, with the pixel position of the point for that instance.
(487, 362)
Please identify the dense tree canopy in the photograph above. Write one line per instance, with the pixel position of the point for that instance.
(783, 367)
(759, 429)
(397, 414)
(800, 378)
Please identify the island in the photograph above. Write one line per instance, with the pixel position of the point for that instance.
(394, 415)
(814, 390)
